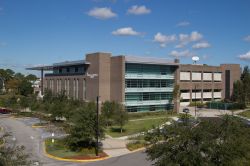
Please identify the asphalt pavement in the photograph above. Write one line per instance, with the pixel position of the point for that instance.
(32, 138)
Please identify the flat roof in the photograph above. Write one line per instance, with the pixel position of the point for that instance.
(150, 60)
(60, 64)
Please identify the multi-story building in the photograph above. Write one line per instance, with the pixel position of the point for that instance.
(206, 83)
(141, 84)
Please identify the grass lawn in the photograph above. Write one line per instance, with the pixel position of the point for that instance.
(133, 127)
(136, 145)
(59, 149)
(245, 114)
(146, 115)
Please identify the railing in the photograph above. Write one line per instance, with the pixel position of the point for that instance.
(149, 89)
(63, 74)
(148, 102)
(148, 76)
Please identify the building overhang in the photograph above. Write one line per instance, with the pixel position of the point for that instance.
(147, 60)
(57, 65)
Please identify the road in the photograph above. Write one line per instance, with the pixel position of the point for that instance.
(23, 134)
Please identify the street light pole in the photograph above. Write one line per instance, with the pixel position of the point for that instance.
(92, 76)
(97, 126)
(195, 100)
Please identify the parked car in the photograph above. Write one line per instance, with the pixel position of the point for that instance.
(5, 111)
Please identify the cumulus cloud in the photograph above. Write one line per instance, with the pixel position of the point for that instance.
(164, 39)
(102, 13)
(247, 38)
(126, 31)
(245, 56)
(138, 10)
(201, 45)
(183, 24)
(184, 53)
(188, 38)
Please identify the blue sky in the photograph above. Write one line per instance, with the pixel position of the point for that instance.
(46, 31)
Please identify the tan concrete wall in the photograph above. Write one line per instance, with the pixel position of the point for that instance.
(117, 79)
(235, 73)
(100, 85)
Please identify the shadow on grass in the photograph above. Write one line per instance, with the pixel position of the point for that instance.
(117, 129)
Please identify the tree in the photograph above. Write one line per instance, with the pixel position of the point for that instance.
(120, 116)
(31, 77)
(221, 142)
(238, 92)
(83, 128)
(13, 156)
(241, 88)
(25, 88)
(108, 109)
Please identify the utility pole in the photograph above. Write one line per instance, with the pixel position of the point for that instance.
(97, 126)
(195, 100)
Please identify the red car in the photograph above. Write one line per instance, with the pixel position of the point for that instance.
(5, 111)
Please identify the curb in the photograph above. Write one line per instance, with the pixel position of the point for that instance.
(136, 150)
(34, 126)
(1, 145)
(71, 160)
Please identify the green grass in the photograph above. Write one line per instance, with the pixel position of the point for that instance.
(145, 115)
(1, 142)
(135, 145)
(59, 149)
(133, 127)
(245, 114)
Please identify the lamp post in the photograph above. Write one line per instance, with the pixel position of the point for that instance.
(92, 76)
(195, 101)
(97, 126)
(195, 59)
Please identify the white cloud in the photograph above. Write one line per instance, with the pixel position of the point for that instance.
(138, 10)
(187, 38)
(201, 45)
(126, 31)
(195, 36)
(245, 56)
(102, 13)
(164, 39)
(183, 24)
(247, 38)
(184, 53)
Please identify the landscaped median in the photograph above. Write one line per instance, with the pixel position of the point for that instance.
(39, 125)
(136, 145)
(59, 151)
(245, 114)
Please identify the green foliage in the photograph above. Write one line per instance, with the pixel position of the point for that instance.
(141, 115)
(133, 145)
(198, 104)
(221, 142)
(120, 116)
(13, 156)
(108, 110)
(83, 128)
(31, 77)
(241, 88)
(25, 88)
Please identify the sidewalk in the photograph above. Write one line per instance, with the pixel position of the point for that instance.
(115, 147)
(209, 112)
